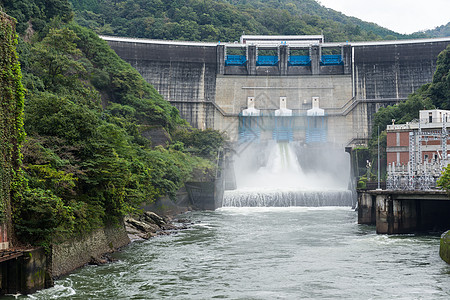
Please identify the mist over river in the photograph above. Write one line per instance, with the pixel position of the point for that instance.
(267, 253)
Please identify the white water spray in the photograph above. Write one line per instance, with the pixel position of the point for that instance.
(281, 181)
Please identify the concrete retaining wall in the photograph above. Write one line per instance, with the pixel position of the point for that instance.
(71, 255)
(404, 211)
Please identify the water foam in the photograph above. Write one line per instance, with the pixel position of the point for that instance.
(281, 182)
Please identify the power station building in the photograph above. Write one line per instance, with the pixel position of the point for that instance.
(417, 151)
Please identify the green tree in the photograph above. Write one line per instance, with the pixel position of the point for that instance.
(439, 90)
(57, 59)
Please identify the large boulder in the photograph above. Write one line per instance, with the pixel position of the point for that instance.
(152, 218)
(444, 250)
(141, 226)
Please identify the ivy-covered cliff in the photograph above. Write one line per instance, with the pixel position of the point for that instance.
(11, 122)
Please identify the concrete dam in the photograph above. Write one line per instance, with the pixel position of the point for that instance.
(212, 84)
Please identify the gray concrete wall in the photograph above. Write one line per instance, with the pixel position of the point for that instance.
(26, 273)
(192, 76)
(390, 72)
(73, 254)
(184, 75)
(366, 209)
(394, 70)
(335, 94)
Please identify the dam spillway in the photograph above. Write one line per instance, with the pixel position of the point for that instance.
(283, 198)
(271, 175)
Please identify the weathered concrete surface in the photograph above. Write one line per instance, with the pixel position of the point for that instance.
(407, 211)
(335, 93)
(394, 70)
(182, 74)
(25, 272)
(206, 195)
(73, 254)
(164, 206)
(34, 270)
(444, 250)
(366, 209)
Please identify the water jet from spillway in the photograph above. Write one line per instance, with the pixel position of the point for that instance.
(272, 175)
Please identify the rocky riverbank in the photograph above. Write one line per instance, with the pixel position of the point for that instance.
(143, 227)
(149, 224)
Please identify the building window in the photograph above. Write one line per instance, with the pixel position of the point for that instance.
(430, 117)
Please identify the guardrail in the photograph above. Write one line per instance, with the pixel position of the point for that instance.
(299, 60)
(335, 59)
(267, 60)
(235, 60)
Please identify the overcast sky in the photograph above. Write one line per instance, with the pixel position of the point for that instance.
(402, 16)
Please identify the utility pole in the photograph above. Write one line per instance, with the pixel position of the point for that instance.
(378, 164)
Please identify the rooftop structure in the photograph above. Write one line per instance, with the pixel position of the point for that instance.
(276, 40)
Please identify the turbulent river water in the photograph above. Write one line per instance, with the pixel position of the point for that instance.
(267, 253)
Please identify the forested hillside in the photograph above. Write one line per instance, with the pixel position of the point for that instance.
(440, 31)
(216, 20)
(85, 160)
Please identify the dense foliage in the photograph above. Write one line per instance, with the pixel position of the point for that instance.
(11, 121)
(36, 13)
(215, 20)
(85, 159)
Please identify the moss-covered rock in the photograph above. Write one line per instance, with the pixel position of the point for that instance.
(444, 250)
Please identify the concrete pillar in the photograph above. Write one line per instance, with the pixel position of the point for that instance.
(34, 270)
(395, 216)
(283, 60)
(366, 209)
(251, 60)
(315, 60)
(220, 59)
(229, 176)
(347, 58)
(383, 214)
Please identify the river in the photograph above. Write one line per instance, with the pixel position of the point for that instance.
(267, 253)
